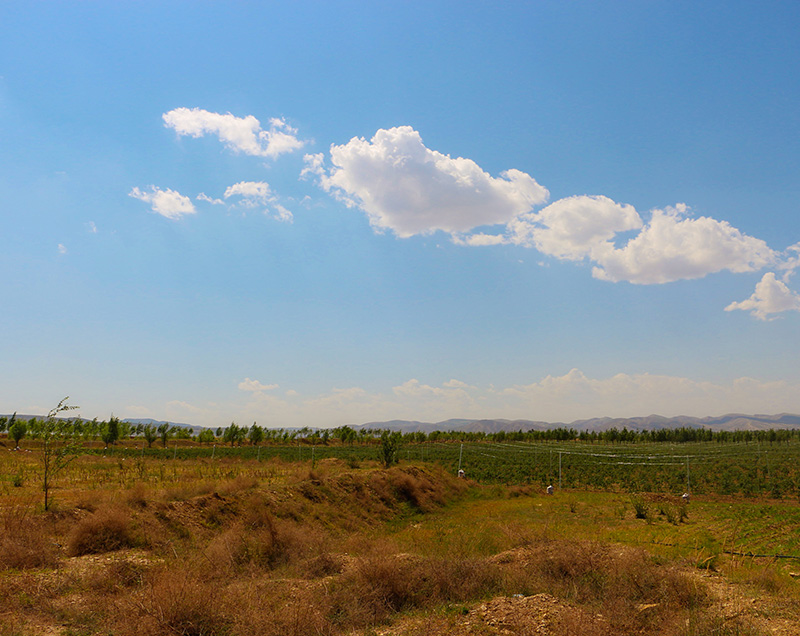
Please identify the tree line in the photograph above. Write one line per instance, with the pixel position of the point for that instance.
(114, 430)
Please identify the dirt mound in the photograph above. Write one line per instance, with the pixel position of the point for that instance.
(536, 615)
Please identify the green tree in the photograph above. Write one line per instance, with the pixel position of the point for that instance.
(234, 434)
(60, 445)
(17, 429)
(110, 433)
(206, 436)
(150, 435)
(390, 448)
(164, 433)
(255, 434)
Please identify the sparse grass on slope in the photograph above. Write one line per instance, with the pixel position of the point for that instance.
(285, 549)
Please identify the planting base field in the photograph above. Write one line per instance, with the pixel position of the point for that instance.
(170, 543)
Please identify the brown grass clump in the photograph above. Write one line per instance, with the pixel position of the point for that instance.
(242, 547)
(617, 581)
(118, 574)
(137, 496)
(381, 585)
(105, 530)
(177, 601)
(24, 541)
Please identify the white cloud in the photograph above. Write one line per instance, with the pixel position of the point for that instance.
(771, 296)
(314, 166)
(91, 227)
(407, 188)
(575, 227)
(575, 396)
(282, 214)
(204, 197)
(253, 193)
(554, 398)
(168, 203)
(240, 134)
(671, 248)
(254, 385)
(62, 249)
(185, 413)
(479, 239)
(792, 258)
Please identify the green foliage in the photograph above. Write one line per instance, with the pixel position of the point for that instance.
(640, 507)
(164, 433)
(206, 436)
(111, 431)
(255, 434)
(390, 448)
(234, 434)
(17, 429)
(150, 435)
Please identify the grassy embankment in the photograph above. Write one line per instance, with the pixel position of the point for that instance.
(244, 547)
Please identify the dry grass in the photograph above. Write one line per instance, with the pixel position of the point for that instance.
(25, 541)
(104, 530)
(176, 600)
(313, 554)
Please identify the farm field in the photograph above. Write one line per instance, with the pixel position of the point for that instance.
(296, 539)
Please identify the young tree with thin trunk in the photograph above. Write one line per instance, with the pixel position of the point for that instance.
(60, 445)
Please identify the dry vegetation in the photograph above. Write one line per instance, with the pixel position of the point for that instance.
(256, 549)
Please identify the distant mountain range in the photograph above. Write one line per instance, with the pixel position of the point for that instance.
(729, 422)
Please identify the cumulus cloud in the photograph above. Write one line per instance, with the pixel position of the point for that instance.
(770, 297)
(252, 193)
(671, 248)
(168, 203)
(575, 227)
(409, 189)
(255, 386)
(240, 134)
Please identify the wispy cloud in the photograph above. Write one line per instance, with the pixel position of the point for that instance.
(252, 193)
(254, 385)
(554, 398)
(204, 197)
(168, 203)
(240, 134)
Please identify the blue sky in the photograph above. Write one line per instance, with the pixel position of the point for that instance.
(334, 213)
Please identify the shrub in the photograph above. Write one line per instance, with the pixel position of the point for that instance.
(640, 507)
(105, 530)
(177, 601)
(24, 543)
